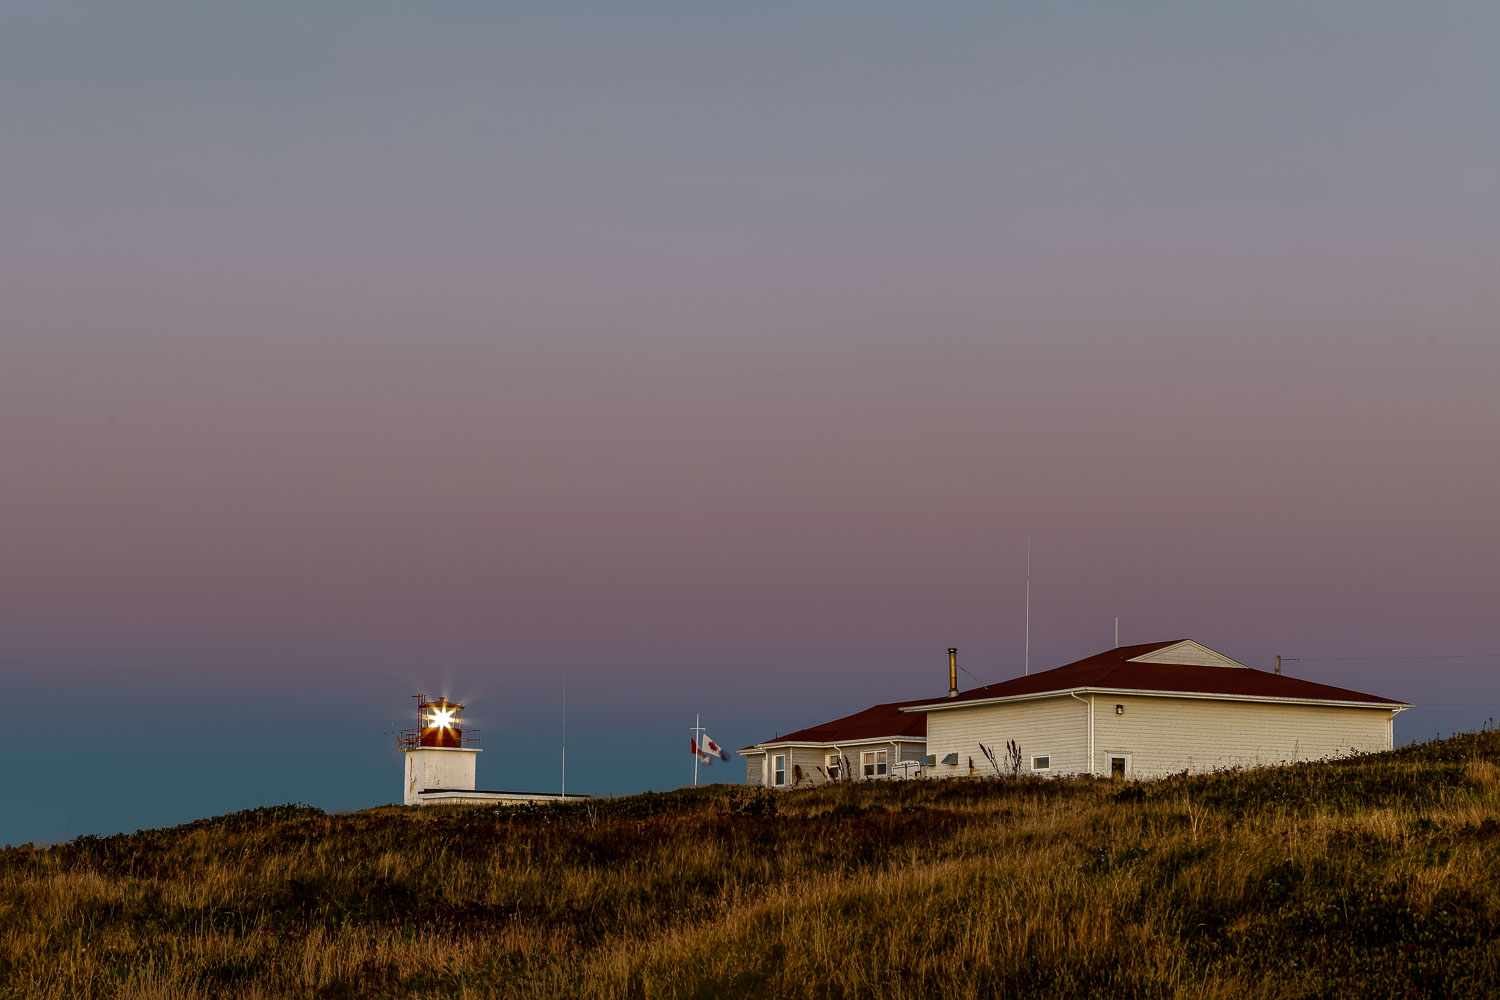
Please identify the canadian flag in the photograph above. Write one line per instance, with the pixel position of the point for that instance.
(709, 746)
(701, 752)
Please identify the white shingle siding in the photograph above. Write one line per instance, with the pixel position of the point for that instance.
(1161, 736)
(755, 767)
(1189, 652)
(1053, 727)
(807, 758)
(1167, 735)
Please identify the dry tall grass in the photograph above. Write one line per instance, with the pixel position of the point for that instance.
(1377, 876)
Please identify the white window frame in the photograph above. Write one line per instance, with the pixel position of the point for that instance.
(1109, 764)
(833, 762)
(778, 770)
(874, 763)
(1041, 756)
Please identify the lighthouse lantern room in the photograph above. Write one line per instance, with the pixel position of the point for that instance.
(439, 724)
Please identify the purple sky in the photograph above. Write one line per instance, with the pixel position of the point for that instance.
(724, 359)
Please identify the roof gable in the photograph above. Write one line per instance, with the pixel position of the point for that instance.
(1189, 653)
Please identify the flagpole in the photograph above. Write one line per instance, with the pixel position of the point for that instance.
(565, 738)
(698, 751)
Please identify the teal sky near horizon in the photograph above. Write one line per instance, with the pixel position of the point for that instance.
(724, 358)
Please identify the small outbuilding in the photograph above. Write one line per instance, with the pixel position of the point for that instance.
(880, 742)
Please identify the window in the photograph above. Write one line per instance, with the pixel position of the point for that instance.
(874, 763)
(1119, 765)
(778, 769)
(833, 767)
(1041, 763)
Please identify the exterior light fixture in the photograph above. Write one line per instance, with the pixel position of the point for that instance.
(1119, 709)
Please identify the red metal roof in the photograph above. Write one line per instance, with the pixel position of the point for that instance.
(1111, 669)
(1114, 669)
(876, 722)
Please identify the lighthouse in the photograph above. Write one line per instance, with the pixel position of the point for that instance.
(440, 756)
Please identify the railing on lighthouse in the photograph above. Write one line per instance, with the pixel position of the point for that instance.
(439, 724)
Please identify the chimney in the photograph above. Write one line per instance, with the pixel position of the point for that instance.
(953, 673)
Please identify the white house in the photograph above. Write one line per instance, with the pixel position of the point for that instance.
(1150, 710)
(1145, 711)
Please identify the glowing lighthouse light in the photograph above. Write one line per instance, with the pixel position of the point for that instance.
(440, 724)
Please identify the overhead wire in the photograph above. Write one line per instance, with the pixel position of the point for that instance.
(981, 680)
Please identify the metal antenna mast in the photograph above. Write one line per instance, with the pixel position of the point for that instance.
(1028, 604)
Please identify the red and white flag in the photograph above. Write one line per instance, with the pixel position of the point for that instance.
(709, 746)
(701, 753)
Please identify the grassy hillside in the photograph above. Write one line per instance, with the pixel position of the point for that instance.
(1372, 877)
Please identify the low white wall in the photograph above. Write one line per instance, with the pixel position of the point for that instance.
(495, 798)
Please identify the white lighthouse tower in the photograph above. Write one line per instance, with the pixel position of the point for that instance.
(440, 759)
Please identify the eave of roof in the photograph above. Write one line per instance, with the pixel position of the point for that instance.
(782, 742)
(1373, 702)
